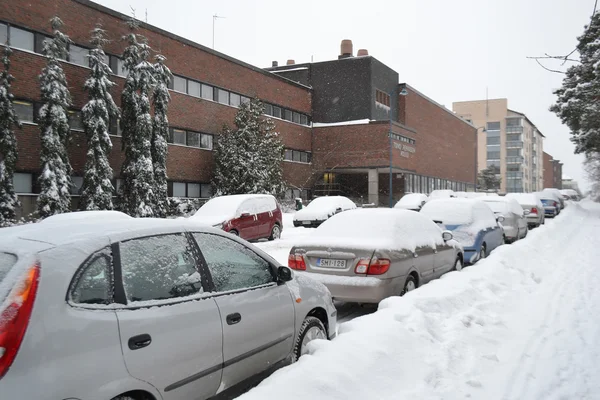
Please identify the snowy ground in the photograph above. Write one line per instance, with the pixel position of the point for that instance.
(522, 324)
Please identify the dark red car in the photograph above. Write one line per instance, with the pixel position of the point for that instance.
(250, 216)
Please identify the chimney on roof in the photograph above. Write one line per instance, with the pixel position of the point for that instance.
(290, 62)
(345, 49)
(362, 52)
(274, 64)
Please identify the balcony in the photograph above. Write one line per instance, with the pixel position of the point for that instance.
(514, 129)
(515, 160)
(514, 144)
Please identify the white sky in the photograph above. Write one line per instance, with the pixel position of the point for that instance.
(448, 50)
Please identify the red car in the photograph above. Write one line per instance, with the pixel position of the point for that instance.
(250, 216)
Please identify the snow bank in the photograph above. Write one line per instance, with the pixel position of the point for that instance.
(517, 325)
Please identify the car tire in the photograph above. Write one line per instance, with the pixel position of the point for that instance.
(482, 252)
(312, 328)
(234, 232)
(409, 285)
(275, 232)
(458, 265)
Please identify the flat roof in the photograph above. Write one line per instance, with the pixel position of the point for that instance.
(429, 99)
(188, 42)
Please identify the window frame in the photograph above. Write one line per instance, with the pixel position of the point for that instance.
(112, 280)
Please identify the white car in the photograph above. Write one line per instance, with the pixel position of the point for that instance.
(441, 194)
(321, 209)
(145, 308)
(532, 203)
(412, 201)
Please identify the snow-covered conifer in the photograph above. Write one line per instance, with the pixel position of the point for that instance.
(8, 143)
(248, 158)
(97, 188)
(55, 179)
(137, 197)
(160, 135)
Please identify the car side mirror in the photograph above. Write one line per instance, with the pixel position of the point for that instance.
(284, 274)
(338, 210)
(244, 214)
(500, 218)
(447, 235)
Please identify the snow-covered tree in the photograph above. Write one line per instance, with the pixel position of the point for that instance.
(488, 178)
(577, 103)
(137, 196)
(248, 158)
(160, 136)
(55, 179)
(97, 187)
(8, 143)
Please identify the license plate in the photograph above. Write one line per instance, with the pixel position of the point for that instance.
(330, 263)
(306, 222)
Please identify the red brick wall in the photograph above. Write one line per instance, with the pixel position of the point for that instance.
(548, 171)
(446, 145)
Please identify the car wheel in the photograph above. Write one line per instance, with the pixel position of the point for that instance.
(409, 285)
(234, 232)
(312, 328)
(275, 232)
(482, 252)
(458, 265)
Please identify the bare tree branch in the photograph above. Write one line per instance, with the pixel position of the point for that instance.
(548, 69)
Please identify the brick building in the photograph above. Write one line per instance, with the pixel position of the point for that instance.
(552, 172)
(430, 147)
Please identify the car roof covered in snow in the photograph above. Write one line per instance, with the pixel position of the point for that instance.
(67, 231)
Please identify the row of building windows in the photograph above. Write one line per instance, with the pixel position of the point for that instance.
(425, 184)
(208, 92)
(298, 156)
(382, 97)
(33, 41)
(291, 194)
(193, 190)
(404, 139)
(191, 139)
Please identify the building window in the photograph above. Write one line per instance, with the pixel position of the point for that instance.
(511, 122)
(493, 140)
(297, 156)
(207, 92)
(77, 185)
(296, 117)
(245, 100)
(513, 152)
(115, 127)
(493, 155)
(193, 139)
(234, 100)
(179, 189)
(78, 55)
(493, 126)
(21, 39)
(382, 97)
(287, 115)
(190, 190)
(24, 111)
(75, 123)
(179, 84)
(23, 182)
(222, 96)
(206, 141)
(121, 69)
(178, 137)
(276, 112)
(205, 190)
(3, 33)
(193, 190)
(303, 119)
(194, 88)
(268, 109)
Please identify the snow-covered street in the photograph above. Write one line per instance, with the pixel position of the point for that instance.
(522, 324)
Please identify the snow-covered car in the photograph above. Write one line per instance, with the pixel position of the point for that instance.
(514, 221)
(532, 203)
(411, 201)
(472, 223)
(551, 203)
(77, 216)
(441, 194)
(557, 194)
(570, 194)
(322, 208)
(162, 309)
(366, 255)
(249, 216)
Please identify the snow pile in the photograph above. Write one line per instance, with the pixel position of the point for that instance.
(517, 325)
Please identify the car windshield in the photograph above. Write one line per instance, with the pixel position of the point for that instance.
(324, 202)
(7, 261)
(226, 205)
(497, 206)
(449, 212)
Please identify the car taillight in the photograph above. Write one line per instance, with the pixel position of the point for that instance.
(555, 204)
(376, 266)
(296, 261)
(14, 318)
(534, 210)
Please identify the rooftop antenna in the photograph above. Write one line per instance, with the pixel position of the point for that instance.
(213, 38)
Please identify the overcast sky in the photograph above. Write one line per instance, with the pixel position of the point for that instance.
(448, 50)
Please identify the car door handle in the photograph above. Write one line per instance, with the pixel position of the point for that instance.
(139, 341)
(233, 319)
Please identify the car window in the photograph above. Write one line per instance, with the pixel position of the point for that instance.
(231, 264)
(248, 206)
(93, 285)
(159, 268)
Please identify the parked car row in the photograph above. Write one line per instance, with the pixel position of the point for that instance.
(163, 309)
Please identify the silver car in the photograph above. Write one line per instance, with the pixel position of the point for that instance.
(366, 255)
(533, 207)
(146, 309)
(514, 222)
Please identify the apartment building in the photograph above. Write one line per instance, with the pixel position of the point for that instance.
(552, 172)
(508, 141)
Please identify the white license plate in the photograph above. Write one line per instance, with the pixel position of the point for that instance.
(330, 263)
(306, 222)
